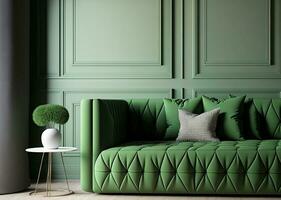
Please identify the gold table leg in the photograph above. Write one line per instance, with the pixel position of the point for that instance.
(49, 175)
(39, 173)
(65, 173)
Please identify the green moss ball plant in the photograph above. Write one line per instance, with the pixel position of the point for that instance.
(50, 114)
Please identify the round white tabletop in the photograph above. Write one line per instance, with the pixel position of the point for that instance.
(46, 150)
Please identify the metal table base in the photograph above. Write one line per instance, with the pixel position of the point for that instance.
(48, 191)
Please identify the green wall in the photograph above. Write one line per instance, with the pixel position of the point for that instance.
(150, 48)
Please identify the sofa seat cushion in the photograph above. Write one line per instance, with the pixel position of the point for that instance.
(226, 167)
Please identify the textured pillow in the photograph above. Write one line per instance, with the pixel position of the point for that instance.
(229, 126)
(172, 117)
(198, 127)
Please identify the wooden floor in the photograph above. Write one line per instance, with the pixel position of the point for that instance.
(80, 195)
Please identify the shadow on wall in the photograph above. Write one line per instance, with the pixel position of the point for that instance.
(38, 83)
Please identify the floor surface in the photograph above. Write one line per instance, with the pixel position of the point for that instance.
(80, 195)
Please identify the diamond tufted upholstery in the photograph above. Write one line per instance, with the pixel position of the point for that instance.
(123, 151)
(250, 166)
(147, 119)
(269, 117)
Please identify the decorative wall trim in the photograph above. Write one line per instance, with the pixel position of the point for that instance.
(235, 63)
(182, 63)
(110, 91)
(187, 93)
(74, 111)
(62, 37)
(257, 92)
(183, 93)
(195, 40)
(117, 63)
(270, 69)
(117, 70)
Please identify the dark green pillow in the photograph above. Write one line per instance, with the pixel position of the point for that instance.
(252, 120)
(229, 125)
(172, 117)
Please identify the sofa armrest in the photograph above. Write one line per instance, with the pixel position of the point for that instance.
(103, 125)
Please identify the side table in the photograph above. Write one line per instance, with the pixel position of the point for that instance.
(59, 150)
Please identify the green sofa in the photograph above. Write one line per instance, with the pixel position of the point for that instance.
(124, 150)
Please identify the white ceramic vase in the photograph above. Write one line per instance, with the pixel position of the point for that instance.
(50, 138)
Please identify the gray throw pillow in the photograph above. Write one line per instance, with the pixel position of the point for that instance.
(196, 127)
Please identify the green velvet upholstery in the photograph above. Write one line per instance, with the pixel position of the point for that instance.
(228, 167)
(147, 119)
(103, 125)
(123, 151)
(269, 117)
(230, 124)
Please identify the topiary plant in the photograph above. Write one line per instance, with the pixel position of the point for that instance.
(50, 114)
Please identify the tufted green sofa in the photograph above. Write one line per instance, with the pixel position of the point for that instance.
(123, 151)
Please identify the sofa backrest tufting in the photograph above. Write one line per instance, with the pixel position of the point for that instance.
(147, 119)
(267, 114)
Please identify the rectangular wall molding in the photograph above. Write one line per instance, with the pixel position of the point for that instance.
(225, 92)
(267, 40)
(261, 59)
(118, 52)
(157, 61)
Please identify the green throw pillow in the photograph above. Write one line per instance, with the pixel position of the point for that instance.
(229, 125)
(252, 120)
(172, 116)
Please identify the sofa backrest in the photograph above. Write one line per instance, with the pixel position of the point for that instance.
(264, 114)
(147, 118)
